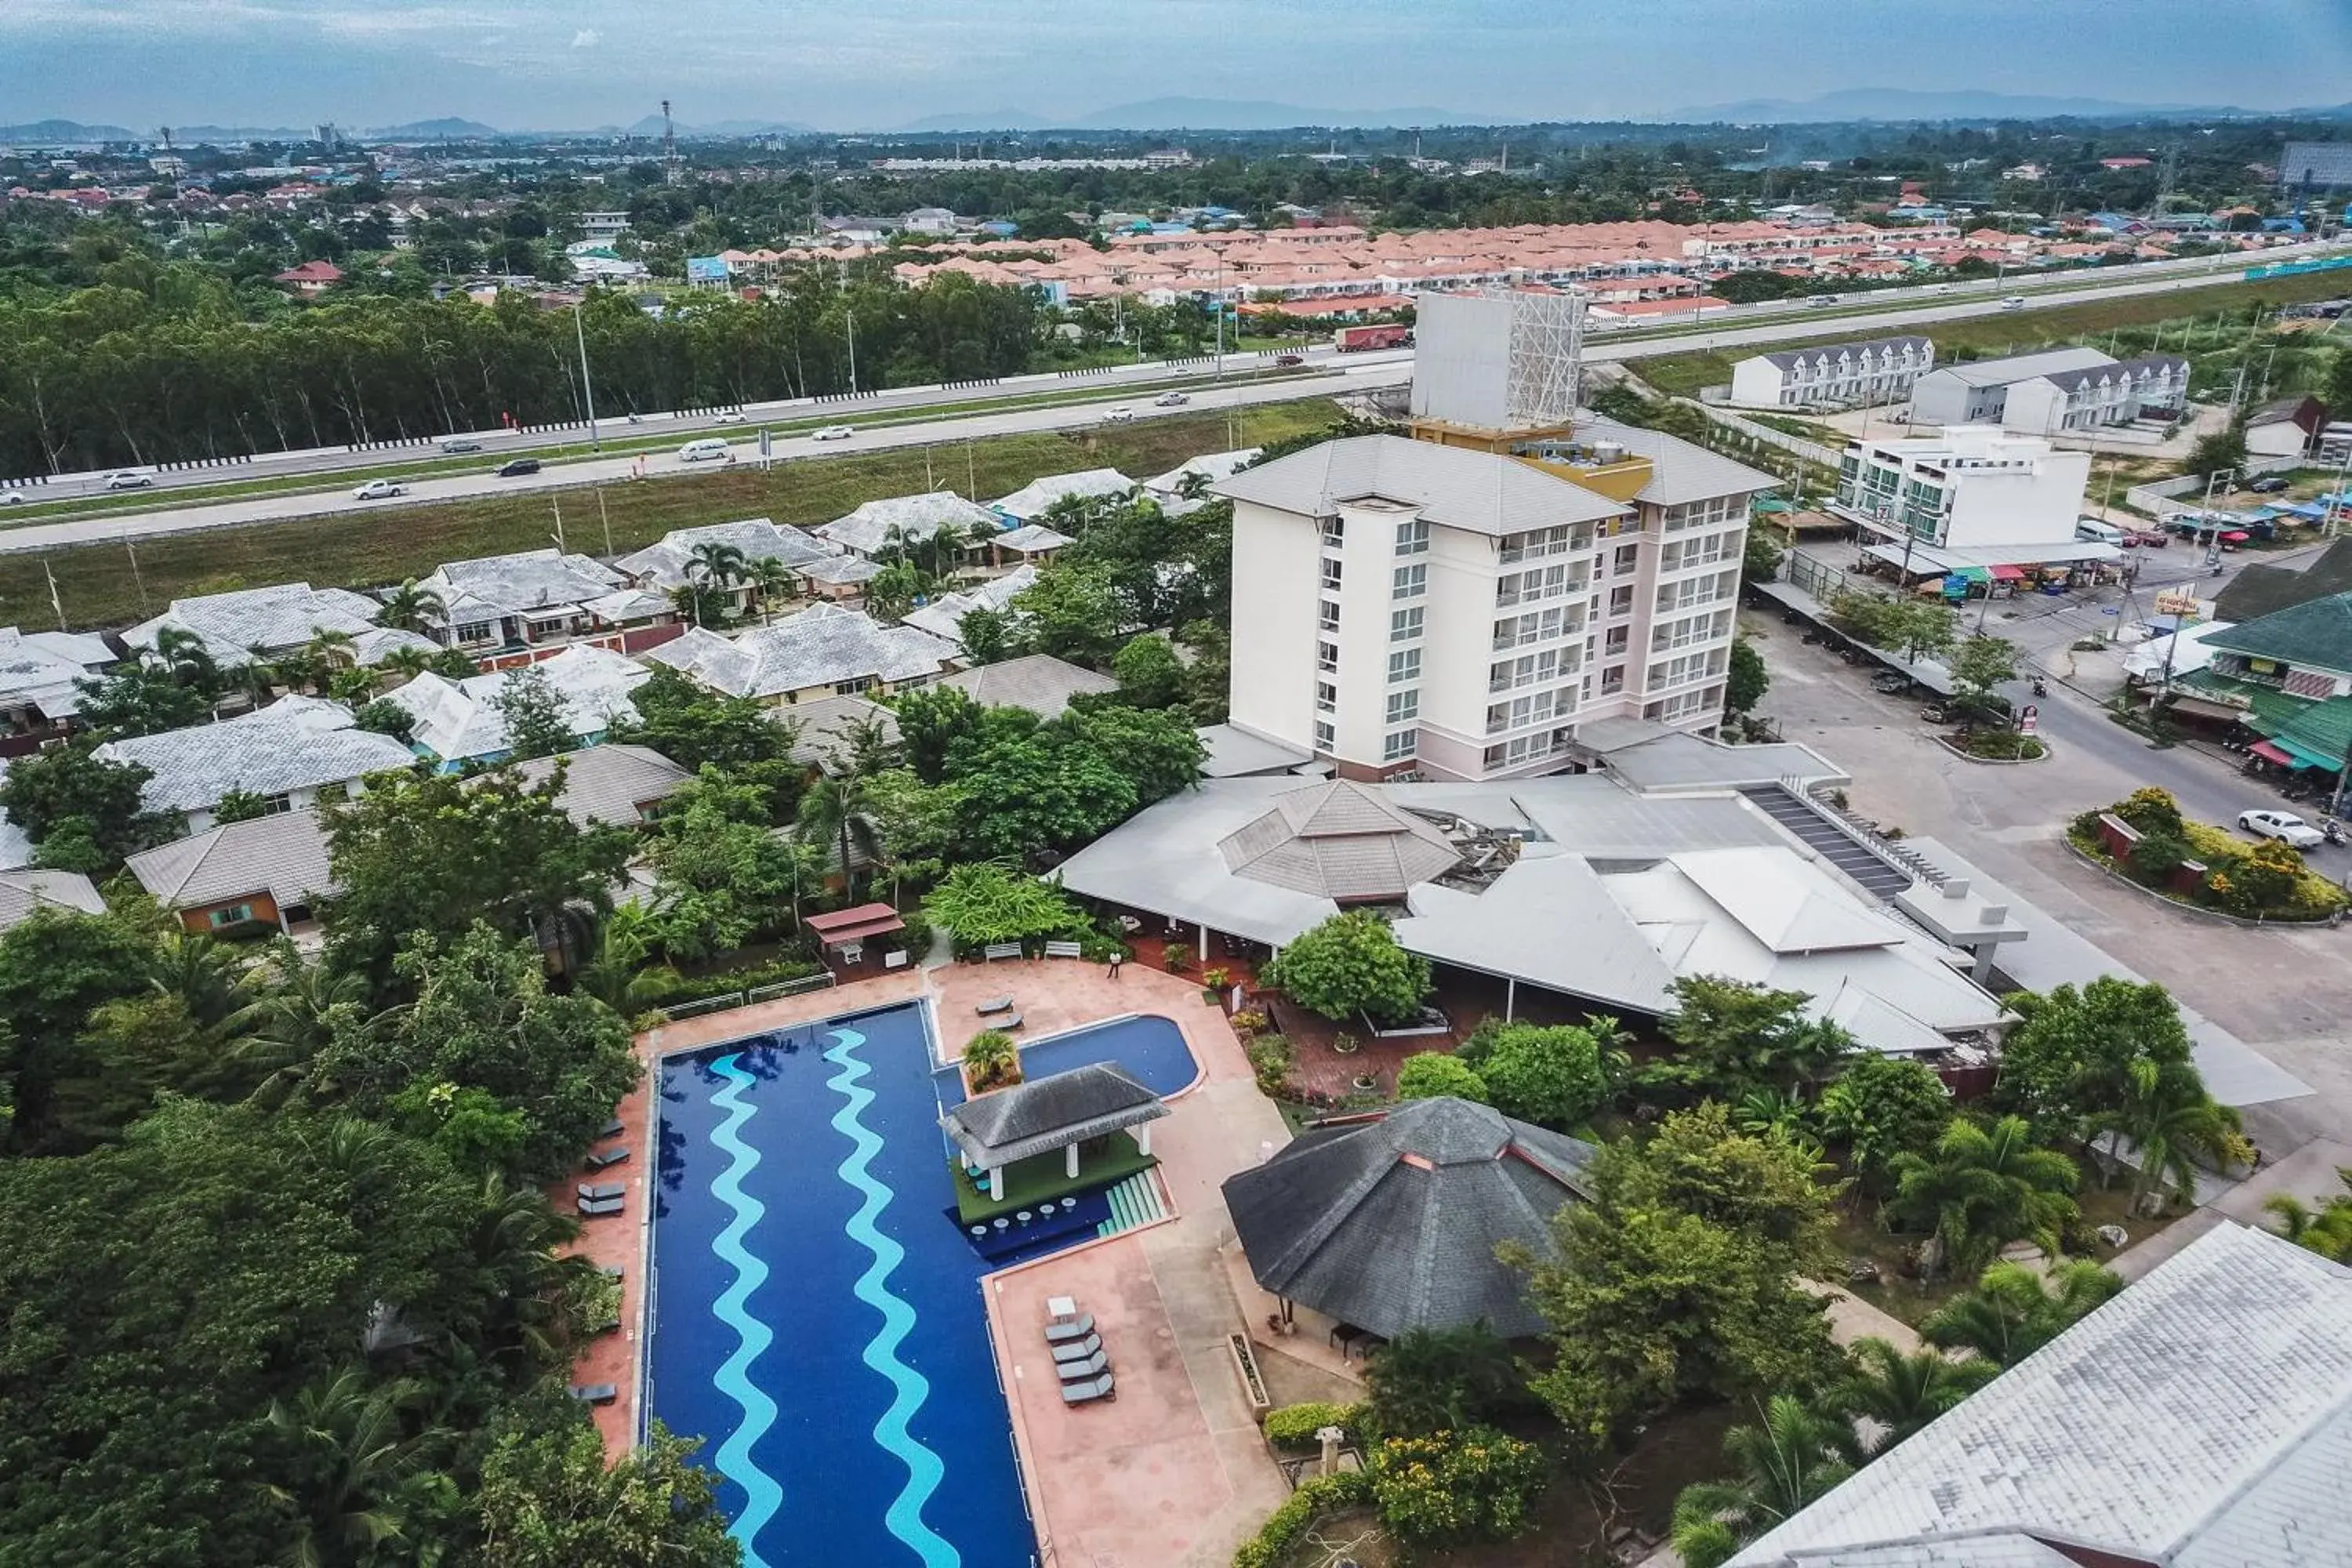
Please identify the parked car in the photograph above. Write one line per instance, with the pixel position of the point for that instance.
(379, 489)
(1170, 400)
(129, 480)
(2283, 825)
(461, 446)
(1284, 362)
(833, 433)
(2153, 538)
(1118, 415)
(517, 468)
(1893, 682)
(2268, 486)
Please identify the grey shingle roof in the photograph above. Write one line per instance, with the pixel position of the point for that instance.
(1875, 347)
(2203, 1418)
(34, 672)
(539, 580)
(457, 720)
(1391, 1224)
(822, 726)
(2258, 588)
(2020, 367)
(1211, 466)
(22, 892)
(1340, 841)
(1041, 494)
(867, 529)
(1683, 471)
(943, 616)
(2146, 365)
(1036, 681)
(1477, 492)
(1045, 1113)
(822, 646)
(296, 742)
(663, 564)
(613, 784)
(284, 856)
(276, 618)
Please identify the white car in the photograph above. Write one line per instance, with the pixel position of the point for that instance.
(1118, 415)
(2283, 825)
(1170, 400)
(14, 498)
(729, 416)
(833, 433)
(379, 489)
(128, 480)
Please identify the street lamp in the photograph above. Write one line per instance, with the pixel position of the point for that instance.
(587, 388)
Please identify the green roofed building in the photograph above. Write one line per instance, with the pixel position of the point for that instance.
(2286, 676)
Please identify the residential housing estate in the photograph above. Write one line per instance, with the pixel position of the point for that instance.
(2052, 390)
(1836, 376)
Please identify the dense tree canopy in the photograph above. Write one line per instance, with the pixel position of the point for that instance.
(1351, 964)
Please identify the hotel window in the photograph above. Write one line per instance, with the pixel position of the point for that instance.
(1624, 563)
(1403, 705)
(1404, 666)
(1330, 616)
(1405, 625)
(1325, 737)
(1327, 697)
(1412, 581)
(1332, 576)
(1413, 537)
(1398, 745)
(1327, 657)
(1621, 600)
(1335, 533)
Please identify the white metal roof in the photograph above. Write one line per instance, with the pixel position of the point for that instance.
(1476, 491)
(33, 672)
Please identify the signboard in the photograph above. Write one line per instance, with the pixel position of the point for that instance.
(706, 269)
(2177, 601)
(2028, 719)
(764, 444)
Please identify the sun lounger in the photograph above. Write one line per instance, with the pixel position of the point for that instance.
(1079, 1370)
(1084, 1393)
(994, 1004)
(1078, 1349)
(1076, 1328)
(607, 1159)
(599, 1190)
(600, 1208)
(610, 1129)
(1010, 1020)
(595, 1393)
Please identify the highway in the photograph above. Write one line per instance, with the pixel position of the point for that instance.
(1208, 386)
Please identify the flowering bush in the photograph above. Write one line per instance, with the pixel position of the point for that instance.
(1476, 1484)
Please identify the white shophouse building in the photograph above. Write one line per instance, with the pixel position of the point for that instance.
(1837, 375)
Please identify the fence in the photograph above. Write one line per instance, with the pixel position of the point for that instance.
(1812, 451)
(816, 982)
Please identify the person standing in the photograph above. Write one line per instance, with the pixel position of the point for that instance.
(1117, 957)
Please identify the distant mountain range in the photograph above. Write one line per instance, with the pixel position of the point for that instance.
(41, 130)
(1900, 103)
(1201, 114)
(445, 130)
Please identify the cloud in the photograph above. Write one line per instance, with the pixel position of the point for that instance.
(586, 38)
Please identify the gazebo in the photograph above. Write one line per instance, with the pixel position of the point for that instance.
(1389, 1223)
(844, 931)
(1061, 1112)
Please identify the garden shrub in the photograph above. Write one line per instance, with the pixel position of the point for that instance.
(1270, 1060)
(991, 1060)
(1435, 1380)
(1315, 1498)
(1476, 1484)
(1552, 1076)
(2156, 856)
(1295, 1426)
(1428, 1075)
(666, 987)
(2151, 811)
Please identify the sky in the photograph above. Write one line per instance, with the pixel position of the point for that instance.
(879, 64)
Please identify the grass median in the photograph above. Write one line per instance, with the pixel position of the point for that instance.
(1683, 374)
(98, 586)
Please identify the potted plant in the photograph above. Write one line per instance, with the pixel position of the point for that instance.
(1344, 1043)
(1213, 986)
(1173, 959)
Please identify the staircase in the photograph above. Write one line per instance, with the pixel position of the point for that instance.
(1880, 866)
(1133, 1202)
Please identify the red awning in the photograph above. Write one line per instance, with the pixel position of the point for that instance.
(2237, 536)
(2271, 753)
(2008, 574)
(855, 924)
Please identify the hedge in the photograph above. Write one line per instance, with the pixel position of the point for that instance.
(1293, 1425)
(1313, 1498)
(668, 988)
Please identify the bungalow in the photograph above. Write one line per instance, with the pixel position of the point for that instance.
(1036, 681)
(669, 564)
(2287, 428)
(877, 525)
(461, 722)
(40, 684)
(537, 598)
(1033, 501)
(266, 870)
(617, 786)
(24, 891)
(1193, 476)
(824, 652)
(269, 623)
(310, 278)
(943, 616)
(1032, 541)
(291, 754)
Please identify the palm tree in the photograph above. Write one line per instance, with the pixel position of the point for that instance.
(410, 608)
(517, 1273)
(356, 1457)
(2014, 1311)
(716, 564)
(1982, 1189)
(2173, 1126)
(408, 663)
(182, 653)
(835, 813)
(259, 674)
(210, 978)
(1782, 1466)
(2326, 1230)
(614, 972)
(279, 1032)
(1899, 1393)
(351, 686)
(771, 580)
(329, 648)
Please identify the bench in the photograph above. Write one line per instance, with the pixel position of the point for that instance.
(996, 950)
(1064, 950)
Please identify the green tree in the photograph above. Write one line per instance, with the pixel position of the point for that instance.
(240, 806)
(385, 716)
(991, 1060)
(426, 856)
(1881, 1107)
(1899, 1393)
(1982, 1188)
(1794, 1459)
(1761, 556)
(56, 967)
(695, 728)
(1431, 1075)
(722, 875)
(1553, 1075)
(1744, 686)
(141, 699)
(411, 608)
(533, 714)
(549, 1500)
(353, 1464)
(1350, 964)
(989, 636)
(1476, 1484)
(1150, 674)
(1073, 612)
(2220, 451)
(1437, 1380)
(2325, 1230)
(69, 793)
(981, 902)
(1734, 1038)
(2069, 1061)
(931, 720)
(1030, 795)
(1159, 753)
(1982, 663)
(836, 816)
(2015, 1310)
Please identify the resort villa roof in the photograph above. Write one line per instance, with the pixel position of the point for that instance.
(24, 891)
(1340, 841)
(1041, 494)
(841, 927)
(915, 518)
(1057, 1111)
(1036, 681)
(669, 563)
(1390, 1222)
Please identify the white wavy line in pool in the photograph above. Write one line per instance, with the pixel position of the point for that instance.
(761, 1494)
(910, 1388)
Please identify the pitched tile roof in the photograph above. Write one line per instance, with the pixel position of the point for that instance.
(1045, 1113)
(531, 580)
(296, 742)
(821, 726)
(2203, 1418)
(611, 785)
(275, 618)
(459, 720)
(943, 616)
(284, 856)
(2258, 589)
(665, 563)
(1036, 681)
(867, 529)
(1391, 1224)
(22, 892)
(2316, 633)
(824, 645)
(34, 670)
(1340, 841)
(1040, 494)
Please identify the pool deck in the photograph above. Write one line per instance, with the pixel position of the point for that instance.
(1172, 1473)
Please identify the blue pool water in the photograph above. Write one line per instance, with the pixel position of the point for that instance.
(816, 1313)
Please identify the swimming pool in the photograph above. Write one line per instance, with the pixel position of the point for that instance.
(817, 1315)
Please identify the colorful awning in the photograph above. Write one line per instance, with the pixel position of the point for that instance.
(2271, 753)
(2008, 574)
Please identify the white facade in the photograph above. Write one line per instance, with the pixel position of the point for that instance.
(1837, 376)
(1401, 605)
(2118, 394)
(1974, 487)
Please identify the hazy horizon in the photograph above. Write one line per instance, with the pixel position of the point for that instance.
(539, 65)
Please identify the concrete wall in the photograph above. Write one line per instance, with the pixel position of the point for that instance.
(1276, 557)
(1461, 357)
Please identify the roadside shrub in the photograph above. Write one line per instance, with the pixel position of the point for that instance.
(1476, 1484)
(2158, 855)
(1552, 1076)
(1295, 1426)
(1430, 1075)
(991, 1060)
(1270, 1061)
(2151, 811)
(1314, 1498)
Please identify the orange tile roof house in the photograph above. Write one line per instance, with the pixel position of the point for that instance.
(310, 278)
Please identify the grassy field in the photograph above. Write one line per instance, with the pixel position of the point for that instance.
(1684, 375)
(97, 587)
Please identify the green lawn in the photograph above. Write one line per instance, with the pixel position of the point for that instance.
(1684, 375)
(1035, 1181)
(366, 549)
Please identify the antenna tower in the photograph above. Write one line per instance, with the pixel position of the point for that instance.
(669, 146)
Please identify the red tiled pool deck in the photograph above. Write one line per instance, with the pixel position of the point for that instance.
(1171, 1473)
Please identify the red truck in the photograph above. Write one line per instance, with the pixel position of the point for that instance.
(1355, 340)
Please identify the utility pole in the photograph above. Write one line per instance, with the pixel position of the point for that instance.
(562, 548)
(606, 518)
(587, 386)
(669, 146)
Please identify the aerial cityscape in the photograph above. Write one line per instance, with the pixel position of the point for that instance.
(1407, 788)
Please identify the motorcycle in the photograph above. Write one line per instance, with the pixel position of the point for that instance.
(2332, 831)
(2040, 687)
